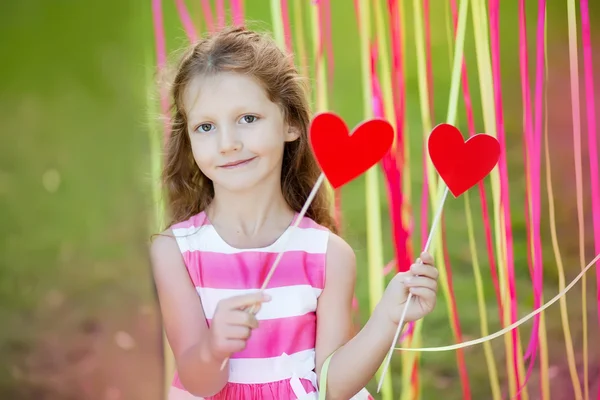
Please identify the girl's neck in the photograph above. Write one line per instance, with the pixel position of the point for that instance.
(248, 213)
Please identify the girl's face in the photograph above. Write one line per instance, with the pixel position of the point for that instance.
(237, 133)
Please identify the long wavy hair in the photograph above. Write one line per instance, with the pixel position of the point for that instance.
(239, 50)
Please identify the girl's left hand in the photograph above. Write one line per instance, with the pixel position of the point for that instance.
(421, 281)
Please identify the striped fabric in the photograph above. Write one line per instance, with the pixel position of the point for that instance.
(279, 359)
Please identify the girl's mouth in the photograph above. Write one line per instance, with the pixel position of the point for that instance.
(236, 164)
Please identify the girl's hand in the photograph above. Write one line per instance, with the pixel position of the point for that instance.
(232, 324)
(421, 281)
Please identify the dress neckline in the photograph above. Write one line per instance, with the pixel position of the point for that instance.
(274, 243)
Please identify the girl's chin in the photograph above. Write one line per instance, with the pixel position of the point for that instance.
(238, 185)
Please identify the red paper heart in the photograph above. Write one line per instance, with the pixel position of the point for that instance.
(462, 164)
(343, 156)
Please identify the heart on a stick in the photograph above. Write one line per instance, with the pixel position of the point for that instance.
(344, 156)
(462, 164)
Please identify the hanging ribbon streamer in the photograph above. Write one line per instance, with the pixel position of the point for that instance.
(220, 14)
(428, 172)
(282, 33)
(487, 348)
(503, 232)
(403, 129)
(237, 12)
(299, 37)
(439, 242)
(590, 102)
(425, 108)
(533, 203)
(575, 111)
(483, 197)
(428, 58)
(161, 61)
(561, 271)
(404, 231)
(277, 20)
(452, 109)
(489, 355)
(443, 242)
(186, 21)
(532, 149)
(383, 100)
(400, 184)
(374, 237)
(208, 15)
(323, 50)
(532, 218)
(511, 326)
(327, 41)
(384, 107)
(287, 28)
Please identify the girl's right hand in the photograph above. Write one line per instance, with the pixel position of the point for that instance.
(232, 323)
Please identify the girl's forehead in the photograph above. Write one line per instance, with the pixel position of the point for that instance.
(221, 90)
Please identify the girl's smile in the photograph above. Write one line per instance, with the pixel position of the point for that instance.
(237, 164)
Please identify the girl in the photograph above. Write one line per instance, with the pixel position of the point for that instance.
(238, 170)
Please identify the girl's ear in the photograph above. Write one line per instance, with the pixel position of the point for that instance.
(292, 133)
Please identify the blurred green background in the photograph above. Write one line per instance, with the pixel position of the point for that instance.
(77, 305)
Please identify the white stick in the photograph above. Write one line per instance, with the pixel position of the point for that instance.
(388, 357)
(307, 203)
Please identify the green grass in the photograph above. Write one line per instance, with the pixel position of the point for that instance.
(73, 249)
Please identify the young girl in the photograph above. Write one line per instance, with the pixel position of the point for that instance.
(238, 170)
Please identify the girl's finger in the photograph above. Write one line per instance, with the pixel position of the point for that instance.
(238, 332)
(426, 258)
(424, 270)
(421, 281)
(236, 345)
(424, 293)
(243, 318)
(246, 300)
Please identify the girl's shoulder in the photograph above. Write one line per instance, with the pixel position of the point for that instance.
(195, 234)
(336, 246)
(190, 225)
(309, 223)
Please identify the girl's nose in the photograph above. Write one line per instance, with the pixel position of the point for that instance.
(229, 141)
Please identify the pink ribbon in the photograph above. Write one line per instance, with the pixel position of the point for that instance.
(186, 20)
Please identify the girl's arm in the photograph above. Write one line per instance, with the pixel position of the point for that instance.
(184, 321)
(358, 358)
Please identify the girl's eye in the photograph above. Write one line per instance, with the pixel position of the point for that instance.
(205, 127)
(248, 119)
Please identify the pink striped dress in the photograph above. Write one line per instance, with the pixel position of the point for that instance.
(279, 359)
